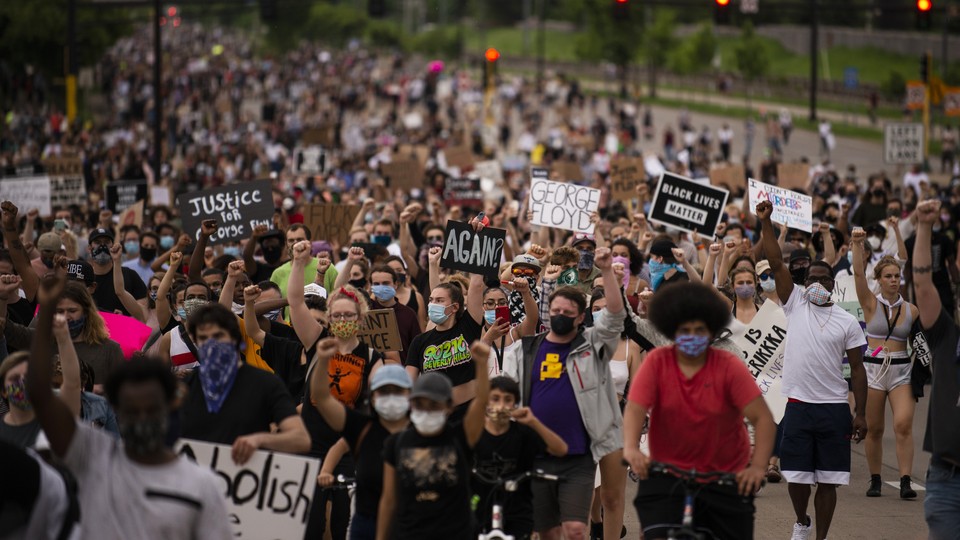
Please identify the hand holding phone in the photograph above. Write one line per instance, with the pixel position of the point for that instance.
(503, 314)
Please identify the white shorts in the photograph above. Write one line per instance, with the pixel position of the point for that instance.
(887, 377)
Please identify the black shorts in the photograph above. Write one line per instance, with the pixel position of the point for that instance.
(719, 509)
(815, 448)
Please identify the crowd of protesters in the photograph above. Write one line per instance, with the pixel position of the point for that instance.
(615, 351)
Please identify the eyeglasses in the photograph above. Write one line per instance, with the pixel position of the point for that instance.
(490, 304)
(350, 316)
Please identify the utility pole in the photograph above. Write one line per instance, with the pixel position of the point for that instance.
(157, 91)
(814, 54)
(541, 43)
(72, 64)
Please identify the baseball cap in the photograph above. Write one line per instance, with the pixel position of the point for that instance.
(272, 233)
(800, 253)
(49, 242)
(314, 289)
(663, 248)
(80, 270)
(433, 386)
(390, 374)
(99, 233)
(584, 237)
(763, 266)
(527, 260)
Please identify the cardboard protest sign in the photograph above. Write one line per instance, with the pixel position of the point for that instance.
(793, 175)
(63, 166)
(563, 206)
(460, 157)
(789, 207)
(489, 169)
(131, 215)
(330, 221)
(403, 173)
(463, 191)
(161, 196)
(477, 253)
(268, 497)
(238, 208)
(762, 349)
(251, 110)
(381, 331)
(687, 205)
(27, 193)
(729, 177)
(625, 174)
(125, 193)
(568, 171)
(322, 136)
(309, 160)
(844, 289)
(67, 190)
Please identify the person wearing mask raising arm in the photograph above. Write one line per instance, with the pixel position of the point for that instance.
(817, 423)
(941, 505)
(136, 487)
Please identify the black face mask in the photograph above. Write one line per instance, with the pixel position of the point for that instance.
(798, 275)
(877, 193)
(562, 324)
(358, 283)
(271, 254)
(148, 253)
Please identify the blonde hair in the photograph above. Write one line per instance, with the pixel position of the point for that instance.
(885, 261)
(348, 292)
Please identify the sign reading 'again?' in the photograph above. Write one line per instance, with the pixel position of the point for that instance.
(563, 206)
(687, 205)
(477, 253)
(238, 208)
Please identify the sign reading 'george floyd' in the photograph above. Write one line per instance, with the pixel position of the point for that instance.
(267, 497)
(477, 253)
(687, 205)
(238, 208)
(560, 205)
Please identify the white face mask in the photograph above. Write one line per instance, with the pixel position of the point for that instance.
(768, 285)
(391, 407)
(874, 243)
(428, 422)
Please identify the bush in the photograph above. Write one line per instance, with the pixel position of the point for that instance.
(385, 34)
(335, 24)
(895, 87)
(439, 42)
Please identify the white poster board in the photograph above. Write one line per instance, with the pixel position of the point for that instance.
(563, 206)
(268, 497)
(27, 193)
(790, 208)
(762, 349)
(903, 143)
(844, 289)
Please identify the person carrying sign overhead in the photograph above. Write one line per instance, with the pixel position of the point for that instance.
(457, 316)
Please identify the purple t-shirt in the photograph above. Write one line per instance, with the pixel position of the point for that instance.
(552, 399)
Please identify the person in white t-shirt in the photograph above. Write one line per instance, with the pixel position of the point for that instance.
(917, 180)
(815, 448)
(137, 488)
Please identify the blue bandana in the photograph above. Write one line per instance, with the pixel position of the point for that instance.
(218, 369)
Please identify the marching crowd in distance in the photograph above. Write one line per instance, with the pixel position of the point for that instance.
(587, 354)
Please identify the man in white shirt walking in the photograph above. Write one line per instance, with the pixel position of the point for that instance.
(815, 448)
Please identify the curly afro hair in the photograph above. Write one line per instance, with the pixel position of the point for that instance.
(680, 303)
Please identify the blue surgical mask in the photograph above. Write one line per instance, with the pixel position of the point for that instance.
(490, 315)
(692, 345)
(850, 257)
(598, 318)
(383, 293)
(437, 313)
(132, 247)
(166, 242)
(233, 251)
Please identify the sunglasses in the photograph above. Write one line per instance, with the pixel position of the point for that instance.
(524, 272)
(766, 275)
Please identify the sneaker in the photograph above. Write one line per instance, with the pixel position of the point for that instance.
(773, 474)
(906, 490)
(801, 532)
(875, 484)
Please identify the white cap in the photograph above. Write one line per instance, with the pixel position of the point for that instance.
(314, 289)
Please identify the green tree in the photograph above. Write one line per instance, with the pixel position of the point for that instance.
(752, 60)
(658, 42)
(695, 54)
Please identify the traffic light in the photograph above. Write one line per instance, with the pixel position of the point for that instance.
(621, 9)
(490, 57)
(925, 61)
(268, 10)
(924, 9)
(721, 11)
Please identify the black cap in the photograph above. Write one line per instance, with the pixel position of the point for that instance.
(99, 233)
(663, 248)
(800, 253)
(80, 270)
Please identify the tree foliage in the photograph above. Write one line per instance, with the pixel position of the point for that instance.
(696, 53)
(607, 37)
(752, 60)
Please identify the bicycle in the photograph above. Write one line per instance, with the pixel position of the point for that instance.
(508, 485)
(692, 481)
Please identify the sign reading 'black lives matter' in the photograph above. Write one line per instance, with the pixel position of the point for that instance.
(238, 208)
(687, 205)
(477, 253)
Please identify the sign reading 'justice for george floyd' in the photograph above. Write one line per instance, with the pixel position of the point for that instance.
(238, 208)
(687, 205)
